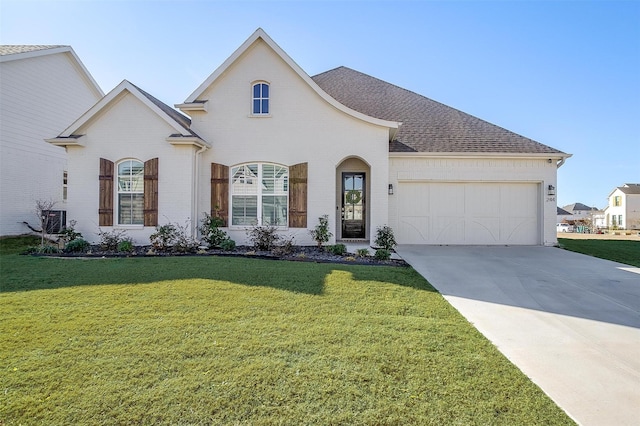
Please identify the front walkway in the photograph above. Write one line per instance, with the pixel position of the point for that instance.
(570, 322)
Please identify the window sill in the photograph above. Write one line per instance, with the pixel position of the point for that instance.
(259, 115)
(128, 227)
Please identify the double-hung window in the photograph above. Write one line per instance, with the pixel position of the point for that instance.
(130, 192)
(259, 194)
(260, 99)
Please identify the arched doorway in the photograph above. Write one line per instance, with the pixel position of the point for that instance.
(353, 210)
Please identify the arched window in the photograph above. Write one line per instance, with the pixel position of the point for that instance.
(259, 194)
(130, 199)
(260, 99)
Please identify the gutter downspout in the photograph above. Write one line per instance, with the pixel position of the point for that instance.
(194, 191)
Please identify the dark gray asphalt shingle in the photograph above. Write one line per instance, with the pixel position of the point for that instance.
(179, 118)
(428, 126)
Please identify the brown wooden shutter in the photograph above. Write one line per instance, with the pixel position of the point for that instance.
(298, 196)
(105, 208)
(151, 192)
(220, 192)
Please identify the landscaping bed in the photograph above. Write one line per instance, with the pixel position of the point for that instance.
(294, 253)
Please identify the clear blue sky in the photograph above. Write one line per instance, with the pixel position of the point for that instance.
(565, 73)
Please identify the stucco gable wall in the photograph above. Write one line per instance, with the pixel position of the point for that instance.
(302, 127)
(128, 129)
(39, 97)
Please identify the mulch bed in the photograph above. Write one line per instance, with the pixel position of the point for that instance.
(296, 254)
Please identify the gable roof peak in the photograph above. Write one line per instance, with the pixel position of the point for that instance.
(176, 120)
(261, 34)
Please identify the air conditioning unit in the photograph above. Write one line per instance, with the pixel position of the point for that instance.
(56, 221)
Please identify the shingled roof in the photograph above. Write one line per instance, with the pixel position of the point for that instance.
(13, 49)
(427, 125)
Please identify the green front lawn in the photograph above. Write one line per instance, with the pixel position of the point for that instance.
(205, 340)
(627, 252)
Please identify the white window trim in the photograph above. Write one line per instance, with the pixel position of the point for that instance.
(259, 196)
(117, 193)
(260, 115)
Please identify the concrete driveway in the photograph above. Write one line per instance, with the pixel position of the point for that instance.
(570, 322)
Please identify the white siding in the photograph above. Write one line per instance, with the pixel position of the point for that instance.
(302, 127)
(39, 97)
(492, 175)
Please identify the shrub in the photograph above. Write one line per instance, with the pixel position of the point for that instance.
(211, 232)
(109, 240)
(42, 249)
(338, 249)
(285, 246)
(362, 252)
(69, 233)
(382, 254)
(125, 246)
(173, 237)
(385, 238)
(320, 233)
(164, 237)
(77, 245)
(228, 245)
(263, 238)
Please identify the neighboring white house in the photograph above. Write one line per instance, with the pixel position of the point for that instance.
(267, 144)
(623, 210)
(43, 89)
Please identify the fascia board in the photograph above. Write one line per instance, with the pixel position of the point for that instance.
(553, 156)
(188, 140)
(260, 34)
(86, 73)
(67, 141)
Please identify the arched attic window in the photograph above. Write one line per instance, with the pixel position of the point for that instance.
(260, 98)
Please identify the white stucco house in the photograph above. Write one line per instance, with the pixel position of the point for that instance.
(623, 209)
(261, 142)
(43, 89)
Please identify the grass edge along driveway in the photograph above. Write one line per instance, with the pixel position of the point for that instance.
(195, 340)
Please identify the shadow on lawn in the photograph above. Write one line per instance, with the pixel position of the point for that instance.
(25, 273)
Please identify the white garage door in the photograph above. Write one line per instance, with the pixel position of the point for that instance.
(468, 213)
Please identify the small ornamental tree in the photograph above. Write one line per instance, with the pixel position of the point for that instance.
(384, 238)
(321, 233)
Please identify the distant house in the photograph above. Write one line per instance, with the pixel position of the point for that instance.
(583, 215)
(623, 209)
(562, 215)
(260, 142)
(43, 89)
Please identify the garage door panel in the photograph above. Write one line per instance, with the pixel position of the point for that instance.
(447, 229)
(468, 213)
(414, 230)
(484, 230)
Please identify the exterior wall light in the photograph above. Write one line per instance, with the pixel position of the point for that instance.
(551, 190)
(390, 189)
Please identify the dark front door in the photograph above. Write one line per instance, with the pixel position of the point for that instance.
(353, 205)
